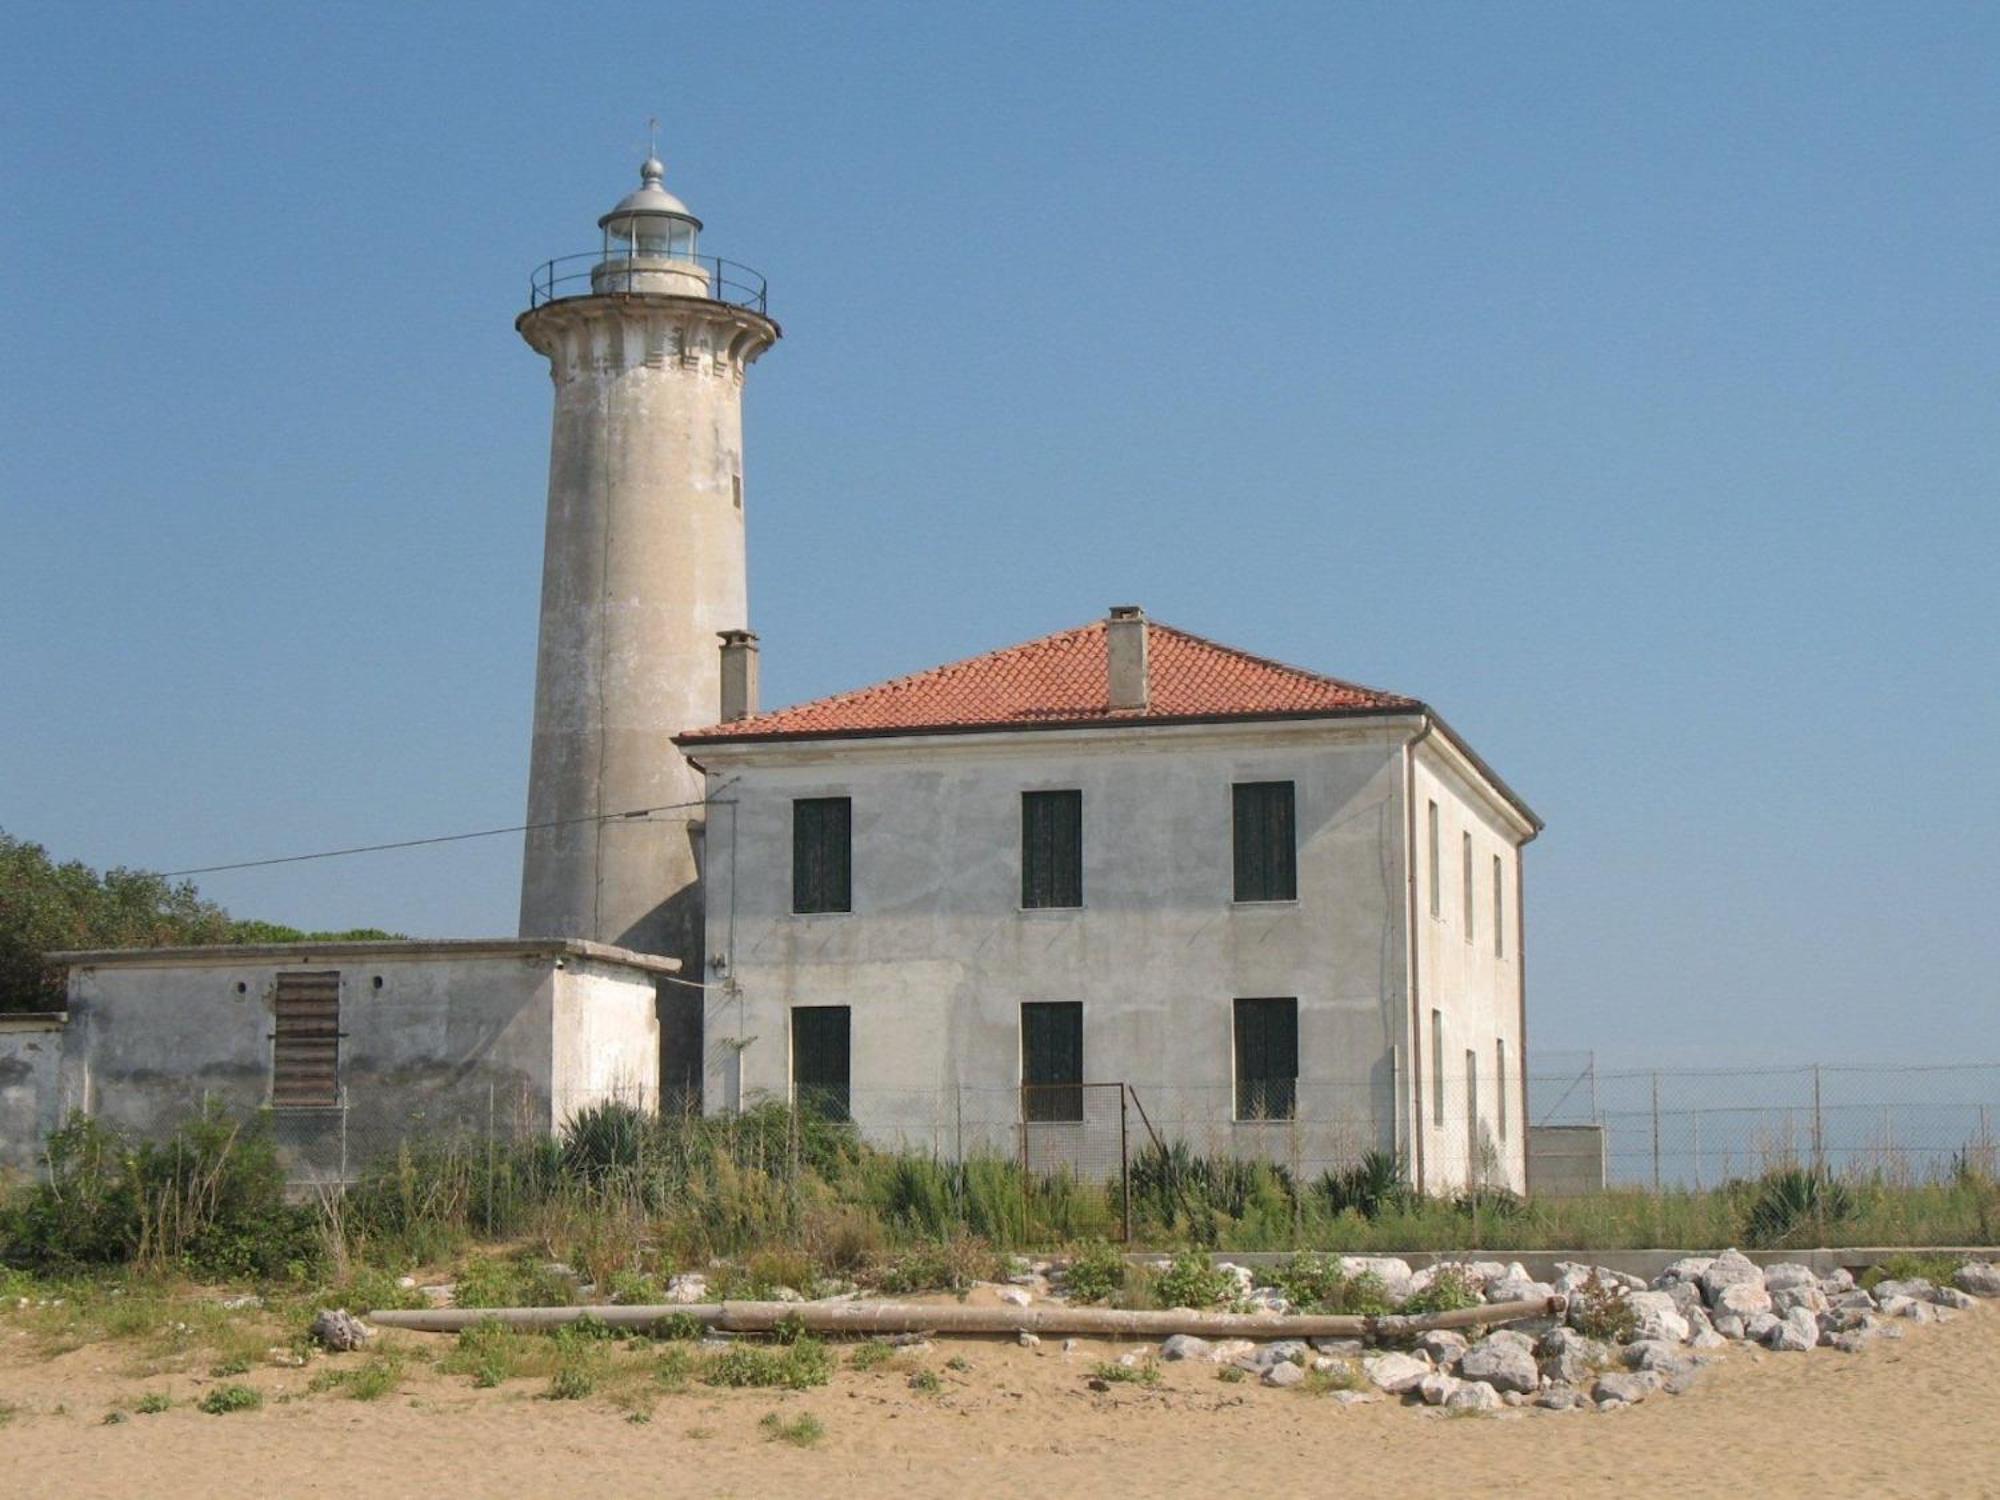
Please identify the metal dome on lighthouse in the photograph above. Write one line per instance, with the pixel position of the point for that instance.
(650, 244)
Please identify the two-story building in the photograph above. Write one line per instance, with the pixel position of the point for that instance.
(1285, 910)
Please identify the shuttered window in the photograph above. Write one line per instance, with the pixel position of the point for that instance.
(822, 862)
(1266, 842)
(1052, 1060)
(820, 1060)
(305, 1048)
(1051, 849)
(1267, 1059)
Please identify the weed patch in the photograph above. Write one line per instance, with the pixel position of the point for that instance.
(227, 1398)
(801, 1431)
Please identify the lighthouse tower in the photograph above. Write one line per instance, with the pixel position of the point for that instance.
(643, 567)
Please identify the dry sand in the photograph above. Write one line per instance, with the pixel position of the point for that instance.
(1910, 1417)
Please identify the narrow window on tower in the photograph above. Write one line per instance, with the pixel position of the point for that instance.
(1267, 867)
(1052, 849)
(1435, 895)
(820, 1061)
(1437, 1068)
(1471, 1105)
(1267, 1059)
(822, 862)
(736, 489)
(1500, 1084)
(1465, 881)
(1499, 910)
(1052, 1061)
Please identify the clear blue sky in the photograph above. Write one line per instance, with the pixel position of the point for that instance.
(1619, 379)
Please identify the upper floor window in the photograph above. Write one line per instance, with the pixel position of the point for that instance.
(1267, 866)
(1051, 849)
(1465, 881)
(822, 854)
(1499, 906)
(1435, 857)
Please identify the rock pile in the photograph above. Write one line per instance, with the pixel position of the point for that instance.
(1621, 1339)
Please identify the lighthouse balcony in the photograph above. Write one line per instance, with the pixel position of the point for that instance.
(618, 270)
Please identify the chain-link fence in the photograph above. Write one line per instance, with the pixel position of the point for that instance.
(1577, 1127)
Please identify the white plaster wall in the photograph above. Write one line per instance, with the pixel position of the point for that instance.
(937, 957)
(607, 1040)
(643, 563)
(31, 1102)
(1458, 974)
(446, 1043)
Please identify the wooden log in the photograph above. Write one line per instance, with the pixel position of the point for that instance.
(905, 1317)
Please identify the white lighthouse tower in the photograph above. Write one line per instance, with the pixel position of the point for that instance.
(643, 567)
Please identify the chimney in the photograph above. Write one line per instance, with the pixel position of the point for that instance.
(739, 675)
(1125, 650)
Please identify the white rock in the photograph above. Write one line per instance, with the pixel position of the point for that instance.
(1473, 1395)
(1758, 1326)
(1658, 1317)
(1797, 1331)
(690, 1286)
(1687, 1268)
(1808, 1296)
(1027, 1340)
(1436, 1388)
(1730, 1268)
(1568, 1356)
(1229, 1351)
(1503, 1364)
(1979, 1277)
(1788, 1274)
(1284, 1373)
(1444, 1346)
(1952, 1297)
(1744, 1298)
(1016, 1296)
(1395, 1373)
(1916, 1287)
(1398, 1281)
(1186, 1346)
(1629, 1389)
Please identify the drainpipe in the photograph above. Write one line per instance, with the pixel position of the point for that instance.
(1413, 930)
(1521, 1024)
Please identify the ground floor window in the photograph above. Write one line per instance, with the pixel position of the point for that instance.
(1267, 1059)
(1052, 1061)
(820, 1053)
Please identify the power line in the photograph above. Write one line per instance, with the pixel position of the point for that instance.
(446, 838)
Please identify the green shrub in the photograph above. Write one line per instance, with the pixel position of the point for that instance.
(488, 1351)
(867, 1356)
(1936, 1269)
(1315, 1283)
(1794, 1200)
(228, 1398)
(1449, 1290)
(1145, 1372)
(948, 1266)
(801, 1431)
(1096, 1270)
(1602, 1310)
(797, 1367)
(210, 1199)
(1193, 1281)
(1368, 1187)
(153, 1403)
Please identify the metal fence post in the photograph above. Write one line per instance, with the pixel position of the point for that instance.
(1124, 1167)
(1656, 1131)
(1819, 1129)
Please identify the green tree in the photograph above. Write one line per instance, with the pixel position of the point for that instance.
(46, 907)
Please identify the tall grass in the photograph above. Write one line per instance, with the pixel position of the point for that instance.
(626, 1200)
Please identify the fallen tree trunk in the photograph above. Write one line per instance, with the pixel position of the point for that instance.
(907, 1317)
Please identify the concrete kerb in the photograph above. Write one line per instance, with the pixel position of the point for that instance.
(1647, 1264)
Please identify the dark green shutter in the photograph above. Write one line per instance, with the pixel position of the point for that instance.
(1266, 842)
(1052, 1060)
(822, 862)
(1052, 849)
(820, 1058)
(1267, 1059)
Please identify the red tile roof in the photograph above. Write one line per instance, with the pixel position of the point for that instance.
(1061, 680)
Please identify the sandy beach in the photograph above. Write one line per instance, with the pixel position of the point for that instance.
(1906, 1417)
